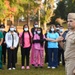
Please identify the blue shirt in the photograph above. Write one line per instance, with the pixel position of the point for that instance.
(52, 36)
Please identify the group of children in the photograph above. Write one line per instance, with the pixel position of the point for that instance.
(32, 46)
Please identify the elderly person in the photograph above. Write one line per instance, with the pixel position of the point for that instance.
(70, 45)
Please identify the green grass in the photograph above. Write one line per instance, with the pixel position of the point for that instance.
(39, 71)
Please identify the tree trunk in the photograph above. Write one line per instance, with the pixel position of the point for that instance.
(18, 22)
(28, 15)
(12, 19)
(5, 22)
(45, 26)
(39, 17)
(28, 20)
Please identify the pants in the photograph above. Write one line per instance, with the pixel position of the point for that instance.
(53, 57)
(61, 54)
(70, 66)
(46, 55)
(4, 53)
(16, 50)
(0, 57)
(39, 53)
(25, 52)
(32, 56)
(11, 58)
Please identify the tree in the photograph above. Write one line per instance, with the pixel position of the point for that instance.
(70, 5)
(2, 8)
(63, 8)
(29, 8)
(11, 8)
(60, 12)
(48, 12)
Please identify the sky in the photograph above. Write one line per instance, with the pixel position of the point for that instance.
(55, 1)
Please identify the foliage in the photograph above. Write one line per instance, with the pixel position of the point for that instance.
(29, 7)
(70, 6)
(63, 8)
(15, 7)
(48, 11)
(2, 8)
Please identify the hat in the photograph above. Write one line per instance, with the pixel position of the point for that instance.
(71, 16)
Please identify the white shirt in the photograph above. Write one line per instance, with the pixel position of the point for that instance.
(8, 39)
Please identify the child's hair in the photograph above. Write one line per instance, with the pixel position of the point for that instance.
(41, 36)
(23, 35)
(52, 26)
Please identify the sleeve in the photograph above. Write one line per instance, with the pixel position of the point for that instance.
(17, 40)
(20, 39)
(44, 36)
(32, 31)
(7, 40)
(31, 35)
(1, 35)
(20, 35)
(48, 35)
(36, 41)
(64, 35)
(57, 35)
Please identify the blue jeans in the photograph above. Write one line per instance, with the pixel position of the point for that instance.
(53, 57)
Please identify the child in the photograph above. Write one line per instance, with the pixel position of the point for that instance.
(38, 40)
(25, 42)
(11, 40)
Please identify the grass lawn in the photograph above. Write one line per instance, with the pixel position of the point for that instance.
(39, 71)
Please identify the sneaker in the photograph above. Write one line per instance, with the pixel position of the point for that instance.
(60, 62)
(22, 67)
(47, 63)
(48, 67)
(53, 67)
(27, 67)
(13, 68)
(9, 68)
